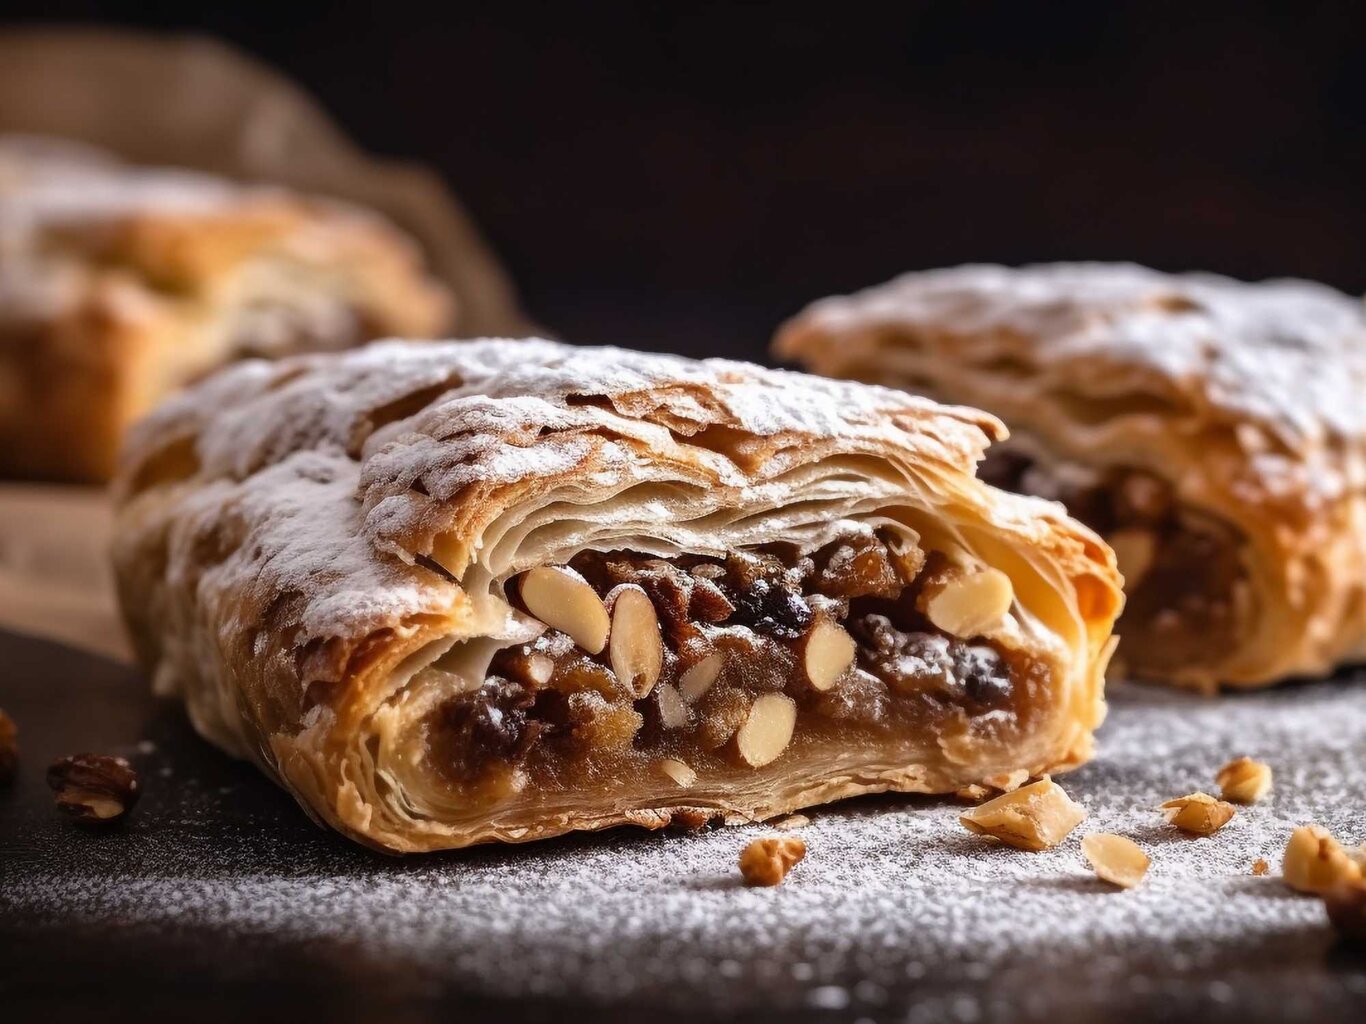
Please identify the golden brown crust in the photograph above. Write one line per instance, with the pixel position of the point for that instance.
(296, 538)
(1246, 398)
(118, 284)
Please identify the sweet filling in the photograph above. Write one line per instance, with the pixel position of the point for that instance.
(699, 667)
(1185, 584)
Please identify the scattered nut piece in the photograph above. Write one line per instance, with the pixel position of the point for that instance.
(635, 647)
(767, 729)
(827, 652)
(9, 748)
(1199, 813)
(1243, 780)
(1034, 817)
(563, 600)
(1315, 862)
(1260, 867)
(678, 771)
(1134, 551)
(1009, 781)
(967, 605)
(697, 680)
(1346, 906)
(1115, 859)
(94, 787)
(973, 794)
(767, 861)
(673, 709)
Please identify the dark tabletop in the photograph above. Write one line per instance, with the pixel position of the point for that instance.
(218, 899)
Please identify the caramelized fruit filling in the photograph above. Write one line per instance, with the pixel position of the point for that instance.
(714, 666)
(1185, 583)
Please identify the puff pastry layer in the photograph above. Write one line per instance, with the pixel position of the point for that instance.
(497, 590)
(118, 284)
(1214, 431)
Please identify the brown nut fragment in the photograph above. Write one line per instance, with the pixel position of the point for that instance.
(1243, 780)
(635, 648)
(965, 606)
(826, 654)
(1315, 862)
(563, 600)
(1199, 813)
(1260, 867)
(698, 678)
(1346, 906)
(675, 769)
(767, 861)
(1115, 859)
(767, 730)
(94, 787)
(1135, 552)
(9, 748)
(1034, 817)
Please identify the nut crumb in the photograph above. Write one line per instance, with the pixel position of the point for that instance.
(1199, 813)
(1115, 859)
(1243, 780)
(973, 794)
(1315, 862)
(1009, 782)
(94, 787)
(1035, 817)
(1346, 906)
(9, 748)
(1260, 867)
(767, 861)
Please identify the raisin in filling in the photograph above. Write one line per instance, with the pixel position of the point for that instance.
(1184, 581)
(757, 652)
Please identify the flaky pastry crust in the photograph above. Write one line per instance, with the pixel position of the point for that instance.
(297, 540)
(1245, 398)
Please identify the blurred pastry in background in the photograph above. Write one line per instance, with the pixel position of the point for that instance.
(119, 284)
(1213, 431)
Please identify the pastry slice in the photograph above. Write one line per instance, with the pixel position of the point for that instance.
(1214, 432)
(119, 284)
(453, 593)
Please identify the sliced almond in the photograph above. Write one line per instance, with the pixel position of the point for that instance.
(1115, 859)
(635, 649)
(675, 769)
(767, 730)
(1034, 817)
(968, 605)
(1135, 551)
(563, 600)
(673, 709)
(827, 653)
(1244, 781)
(1315, 862)
(1199, 813)
(698, 679)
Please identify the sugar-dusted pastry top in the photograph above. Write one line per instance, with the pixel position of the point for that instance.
(1290, 355)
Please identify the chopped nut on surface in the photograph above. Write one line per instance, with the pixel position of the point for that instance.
(767, 861)
(1009, 781)
(1346, 906)
(1034, 817)
(767, 730)
(697, 679)
(1243, 780)
(673, 709)
(678, 771)
(1199, 813)
(94, 787)
(1115, 859)
(973, 794)
(564, 600)
(9, 748)
(827, 652)
(1260, 867)
(635, 647)
(967, 605)
(1315, 862)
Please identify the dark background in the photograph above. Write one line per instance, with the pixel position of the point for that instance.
(685, 175)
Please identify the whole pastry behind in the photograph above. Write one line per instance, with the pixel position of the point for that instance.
(498, 590)
(1213, 431)
(119, 284)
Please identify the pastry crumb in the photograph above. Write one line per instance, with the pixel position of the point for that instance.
(1198, 813)
(766, 862)
(1035, 817)
(1243, 780)
(1115, 859)
(1260, 867)
(1315, 862)
(973, 794)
